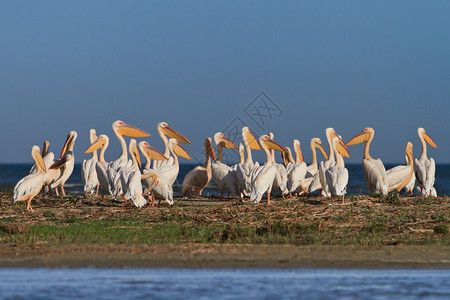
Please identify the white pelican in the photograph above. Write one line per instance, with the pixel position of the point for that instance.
(46, 156)
(263, 176)
(223, 175)
(424, 167)
(198, 178)
(120, 129)
(88, 171)
(373, 169)
(123, 176)
(337, 175)
(29, 186)
(281, 178)
(68, 164)
(410, 185)
(399, 177)
(101, 166)
(244, 170)
(376, 176)
(170, 172)
(164, 130)
(312, 180)
(131, 177)
(296, 171)
(151, 178)
(323, 166)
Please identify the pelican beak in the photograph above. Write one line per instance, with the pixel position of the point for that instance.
(99, 143)
(66, 145)
(272, 145)
(61, 162)
(209, 149)
(300, 152)
(334, 134)
(181, 152)
(227, 143)
(153, 183)
(429, 140)
(137, 156)
(342, 149)
(284, 156)
(322, 150)
(252, 141)
(40, 160)
(132, 131)
(172, 133)
(154, 154)
(361, 137)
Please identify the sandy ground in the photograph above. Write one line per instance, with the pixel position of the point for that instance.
(225, 256)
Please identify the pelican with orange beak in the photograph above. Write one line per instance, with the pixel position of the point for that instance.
(29, 186)
(337, 176)
(373, 169)
(296, 171)
(330, 133)
(424, 167)
(224, 176)
(262, 177)
(66, 162)
(199, 177)
(88, 170)
(121, 129)
(101, 165)
(244, 170)
(164, 131)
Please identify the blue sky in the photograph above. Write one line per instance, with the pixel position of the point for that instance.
(76, 65)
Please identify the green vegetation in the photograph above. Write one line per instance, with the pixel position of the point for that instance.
(303, 221)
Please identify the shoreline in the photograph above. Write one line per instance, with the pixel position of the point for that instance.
(218, 256)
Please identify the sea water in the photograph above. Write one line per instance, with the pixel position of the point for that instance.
(223, 284)
(10, 174)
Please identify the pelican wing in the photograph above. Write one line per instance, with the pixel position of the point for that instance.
(195, 181)
(337, 179)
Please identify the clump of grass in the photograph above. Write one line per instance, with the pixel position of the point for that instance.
(441, 229)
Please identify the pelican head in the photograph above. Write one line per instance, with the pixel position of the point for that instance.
(68, 155)
(171, 133)
(271, 144)
(70, 142)
(422, 133)
(133, 149)
(124, 129)
(361, 137)
(151, 152)
(177, 149)
(209, 150)
(220, 138)
(317, 143)
(101, 141)
(299, 150)
(251, 139)
(37, 157)
(340, 147)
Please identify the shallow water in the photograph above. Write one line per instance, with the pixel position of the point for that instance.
(10, 174)
(223, 284)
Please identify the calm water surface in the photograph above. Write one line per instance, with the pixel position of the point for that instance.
(10, 174)
(223, 284)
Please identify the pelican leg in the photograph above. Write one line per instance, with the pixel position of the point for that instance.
(342, 199)
(96, 193)
(332, 200)
(123, 196)
(29, 208)
(268, 198)
(56, 191)
(62, 190)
